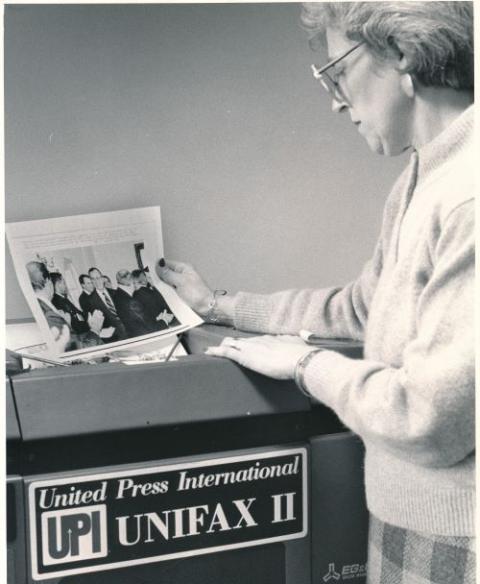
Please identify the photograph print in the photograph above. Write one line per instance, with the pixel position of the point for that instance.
(90, 282)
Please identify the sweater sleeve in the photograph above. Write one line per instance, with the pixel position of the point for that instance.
(423, 410)
(329, 312)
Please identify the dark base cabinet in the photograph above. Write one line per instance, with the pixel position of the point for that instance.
(188, 472)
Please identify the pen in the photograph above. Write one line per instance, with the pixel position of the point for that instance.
(41, 359)
(173, 348)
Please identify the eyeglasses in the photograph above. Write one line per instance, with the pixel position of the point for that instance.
(330, 82)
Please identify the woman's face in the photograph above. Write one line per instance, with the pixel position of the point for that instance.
(374, 98)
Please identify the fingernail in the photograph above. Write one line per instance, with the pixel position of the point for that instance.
(161, 263)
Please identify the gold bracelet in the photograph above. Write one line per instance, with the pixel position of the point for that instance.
(210, 315)
(300, 370)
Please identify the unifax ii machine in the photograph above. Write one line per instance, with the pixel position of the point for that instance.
(193, 471)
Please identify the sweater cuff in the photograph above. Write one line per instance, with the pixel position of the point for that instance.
(252, 312)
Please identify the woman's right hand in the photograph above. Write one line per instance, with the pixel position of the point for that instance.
(189, 285)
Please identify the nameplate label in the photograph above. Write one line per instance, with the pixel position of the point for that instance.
(150, 514)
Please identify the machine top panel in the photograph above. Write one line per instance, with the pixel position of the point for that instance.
(85, 399)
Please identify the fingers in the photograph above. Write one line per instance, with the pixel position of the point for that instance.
(164, 265)
(291, 339)
(265, 340)
(235, 343)
(177, 266)
(224, 351)
(169, 276)
(272, 340)
(229, 347)
(171, 271)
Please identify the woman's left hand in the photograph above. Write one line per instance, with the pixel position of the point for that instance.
(274, 356)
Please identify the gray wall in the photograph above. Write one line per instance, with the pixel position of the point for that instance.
(207, 110)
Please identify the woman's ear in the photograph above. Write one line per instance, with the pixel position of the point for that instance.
(406, 80)
(407, 85)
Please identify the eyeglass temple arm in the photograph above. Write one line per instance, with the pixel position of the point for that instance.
(318, 72)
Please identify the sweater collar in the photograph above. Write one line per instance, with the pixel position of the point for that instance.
(444, 146)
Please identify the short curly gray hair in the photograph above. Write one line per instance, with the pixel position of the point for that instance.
(435, 37)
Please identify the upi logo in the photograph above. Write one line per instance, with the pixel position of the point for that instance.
(73, 535)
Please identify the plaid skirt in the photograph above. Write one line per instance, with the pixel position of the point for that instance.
(402, 556)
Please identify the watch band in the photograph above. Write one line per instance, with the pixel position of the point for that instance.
(211, 316)
(300, 367)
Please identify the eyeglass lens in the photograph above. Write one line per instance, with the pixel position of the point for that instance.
(330, 82)
(331, 87)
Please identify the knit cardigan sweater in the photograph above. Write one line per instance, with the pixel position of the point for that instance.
(411, 399)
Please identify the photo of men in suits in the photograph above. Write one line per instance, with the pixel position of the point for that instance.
(88, 285)
(89, 309)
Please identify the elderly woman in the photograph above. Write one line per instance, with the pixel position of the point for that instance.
(403, 71)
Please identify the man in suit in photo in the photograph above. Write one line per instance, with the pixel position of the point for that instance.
(129, 310)
(87, 289)
(59, 320)
(157, 310)
(102, 299)
(108, 283)
(61, 301)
